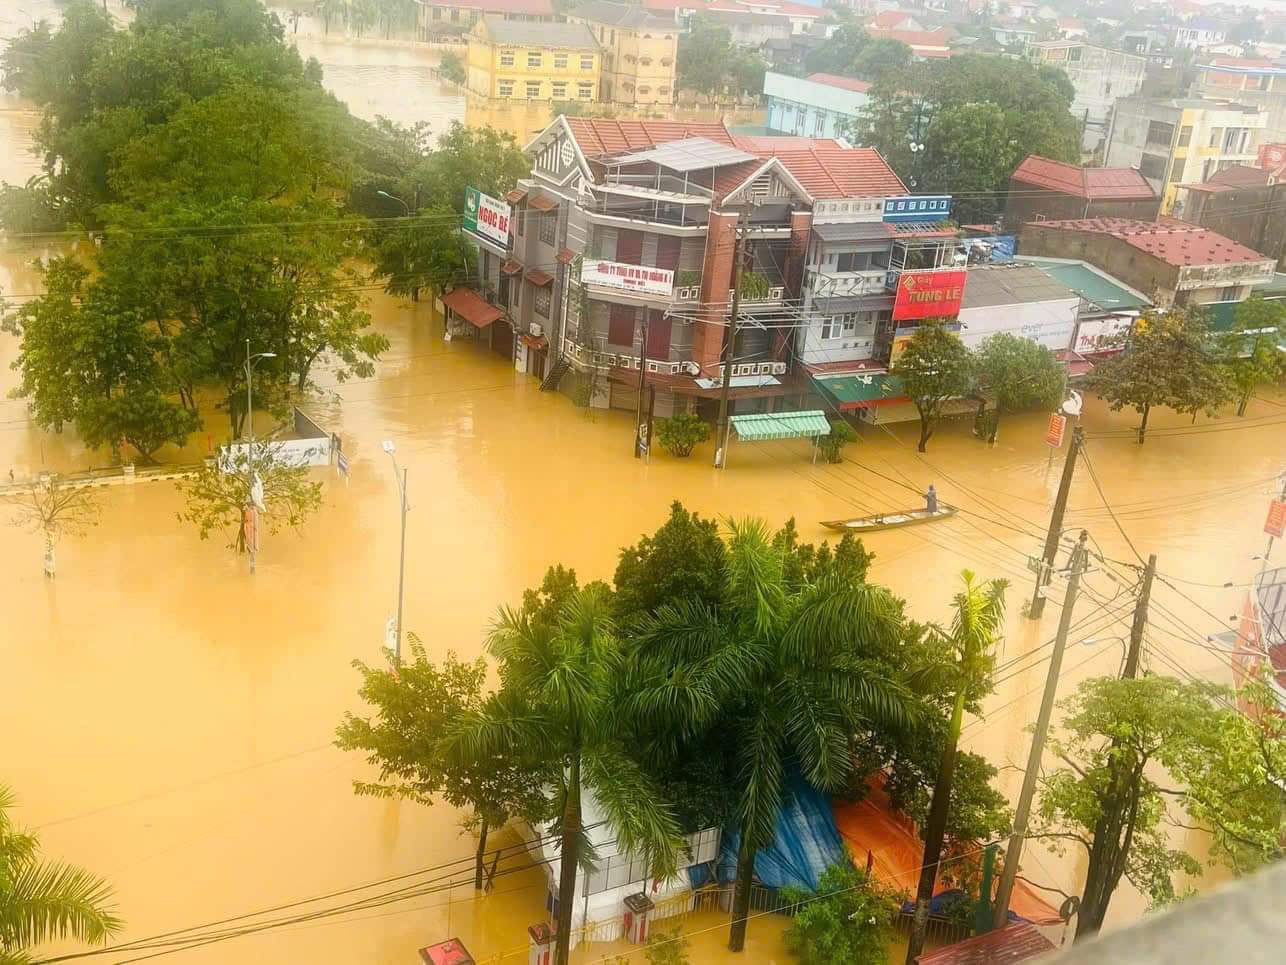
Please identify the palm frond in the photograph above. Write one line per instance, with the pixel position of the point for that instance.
(816, 731)
(635, 807)
(762, 775)
(687, 630)
(45, 902)
(837, 616)
(756, 584)
(978, 619)
(867, 694)
(502, 728)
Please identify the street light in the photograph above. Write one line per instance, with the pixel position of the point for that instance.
(400, 475)
(394, 197)
(252, 503)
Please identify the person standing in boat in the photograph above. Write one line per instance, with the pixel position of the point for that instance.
(931, 500)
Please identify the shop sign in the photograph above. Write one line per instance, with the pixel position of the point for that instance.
(929, 294)
(486, 217)
(640, 279)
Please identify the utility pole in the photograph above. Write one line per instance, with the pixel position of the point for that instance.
(1046, 568)
(1140, 620)
(639, 441)
(399, 473)
(1021, 814)
(721, 430)
(250, 512)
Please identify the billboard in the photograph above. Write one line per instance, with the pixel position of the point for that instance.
(639, 279)
(1095, 335)
(929, 294)
(919, 209)
(1272, 156)
(486, 217)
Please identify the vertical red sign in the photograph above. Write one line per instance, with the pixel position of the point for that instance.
(1275, 524)
(1054, 432)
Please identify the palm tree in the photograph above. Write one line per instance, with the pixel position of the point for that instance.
(41, 902)
(794, 672)
(561, 676)
(975, 627)
(326, 9)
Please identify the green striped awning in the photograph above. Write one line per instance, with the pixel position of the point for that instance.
(762, 426)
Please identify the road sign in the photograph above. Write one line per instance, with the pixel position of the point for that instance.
(341, 464)
(1275, 525)
(1054, 432)
(1035, 564)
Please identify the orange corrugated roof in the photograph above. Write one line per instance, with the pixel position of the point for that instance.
(832, 171)
(1092, 184)
(598, 136)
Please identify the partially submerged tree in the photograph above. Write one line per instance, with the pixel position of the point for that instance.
(416, 705)
(55, 509)
(1165, 361)
(1015, 373)
(847, 921)
(935, 367)
(1251, 351)
(219, 493)
(42, 901)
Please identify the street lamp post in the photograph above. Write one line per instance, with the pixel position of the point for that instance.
(400, 476)
(394, 197)
(253, 536)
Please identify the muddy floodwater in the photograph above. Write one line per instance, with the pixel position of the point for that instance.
(170, 717)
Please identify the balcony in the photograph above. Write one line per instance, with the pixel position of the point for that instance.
(658, 185)
(656, 211)
(837, 284)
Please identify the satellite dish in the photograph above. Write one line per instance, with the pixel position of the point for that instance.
(1073, 405)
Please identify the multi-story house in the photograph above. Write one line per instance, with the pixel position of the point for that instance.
(1261, 83)
(819, 105)
(1173, 141)
(519, 60)
(442, 19)
(1244, 203)
(1200, 32)
(1045, 190)
(1098, 75)
(639, 232)
(640, 51)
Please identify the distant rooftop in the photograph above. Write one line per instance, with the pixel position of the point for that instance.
(1092, 184)
(1174, 242)
(845, 83)
(619, 15)
(1099, 291)
(571, 36)
(531, 8)
(1232, 178)
(1011, 283)
(688, 154)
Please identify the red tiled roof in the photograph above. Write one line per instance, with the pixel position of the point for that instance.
(540, 8)
(1236, 176)
(1175, 243)
(600, 135)
(539, 278)
(1016, 943)
(831, 171)
(917, 38)
(1092, 184)
(844, 83)
(471, 306)
(889, 19)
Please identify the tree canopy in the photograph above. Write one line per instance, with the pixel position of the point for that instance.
(710, 63)
(1251, 351)
(935, 367)
(1016, 373)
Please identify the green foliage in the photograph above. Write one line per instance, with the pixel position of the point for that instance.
(804, 564)
(848, 921)
(1250, 351)
(752, 285)
(683, 560)
(681, 433)
(710, 63)
(880, 57)
(426, 252)
(665, 946)
(934, 368)
(1165, 362)
(978, 117)
(218, 492)
(451, 67)
(1015, 373)
(45, 901)
(832, 445)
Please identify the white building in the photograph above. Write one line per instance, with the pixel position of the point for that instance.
(1199, 33)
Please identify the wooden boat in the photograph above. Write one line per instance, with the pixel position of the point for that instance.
(893, 520)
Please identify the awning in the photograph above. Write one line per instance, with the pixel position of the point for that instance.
(1015, 943)
(566, 256)
(536, 342)
(861, 390)
(762, 426)
(539, 278)
(853, 231)
(516, 195)
(541, 203)
(510, 267)
(471, 306)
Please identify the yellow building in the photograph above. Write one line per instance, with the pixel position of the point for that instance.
(640, 51)
(516, 60)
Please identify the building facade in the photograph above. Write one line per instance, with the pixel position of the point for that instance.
(820, 105)
(1182, 140)
(517, 60)
(437, 21)
(1246, 204)
(1172, 263)
(640, 51)
(1200, 32)
(1045, 190)
(1098, 75)
(1260, 83)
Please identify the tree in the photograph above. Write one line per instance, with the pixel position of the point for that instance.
(55, 509)
(1165, 362)
(790, 673)
(1119, 739)
(832, 444)
(1016, 373)
(977, 623)
(479, 157)
(1250, 351)
(683, 560)
(426, 253)
(451, 67)
(560, 667)
(934, 368)
(330, 10)
(881, 56)
(838, 53)
(43, 901)
(681, 433)
(218, 493)
(362, 15)
(848, 921)
(416, 704)
(710, 63)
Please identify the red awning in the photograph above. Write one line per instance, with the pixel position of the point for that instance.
(536, 342)
(516, 195)
(542, 203)
(510, 267)
(539, 278)
(1016, 943)
(471, 306)
(566, 256)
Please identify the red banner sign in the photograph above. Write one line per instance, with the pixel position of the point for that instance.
(1275, 525)
(929, 294)
(1054, 432)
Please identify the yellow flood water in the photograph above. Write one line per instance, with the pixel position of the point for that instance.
(170, 717)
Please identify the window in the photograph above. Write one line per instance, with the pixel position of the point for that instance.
(645, 61)
(666, 61)
(585, 92)
(1235, 140)
(663, 90)
(437, 13)
(1152, 166)
(541, 302)
(645, 90)
(506, 58)
(1185, 135)
(534, 60)
(560, 91)
(533, 90)
(587, 62)
(1228, 294)
(1215, 134)
(613, 40)
(1159, 132)
(842, 326)
(548, 225)
(560, 61)
(1074, 54)
(520, 221)
(819, 124)
(455, 16)
(505, 88)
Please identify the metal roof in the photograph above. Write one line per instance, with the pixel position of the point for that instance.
(1092, 184)
(1099, 290)
(858, 391)
(762, 426)
(1011, 284)
(688, 154)
(854, 231)
(1016, 942)
(569, 36)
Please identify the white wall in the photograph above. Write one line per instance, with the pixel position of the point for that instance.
(1050, 323)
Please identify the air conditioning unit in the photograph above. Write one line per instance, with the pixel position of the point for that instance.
(535, 329)
(691, 368)
(779, 368)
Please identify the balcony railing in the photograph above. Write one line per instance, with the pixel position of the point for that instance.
(660, 183)
(585, 357)
(650, 212)
(827, 284)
